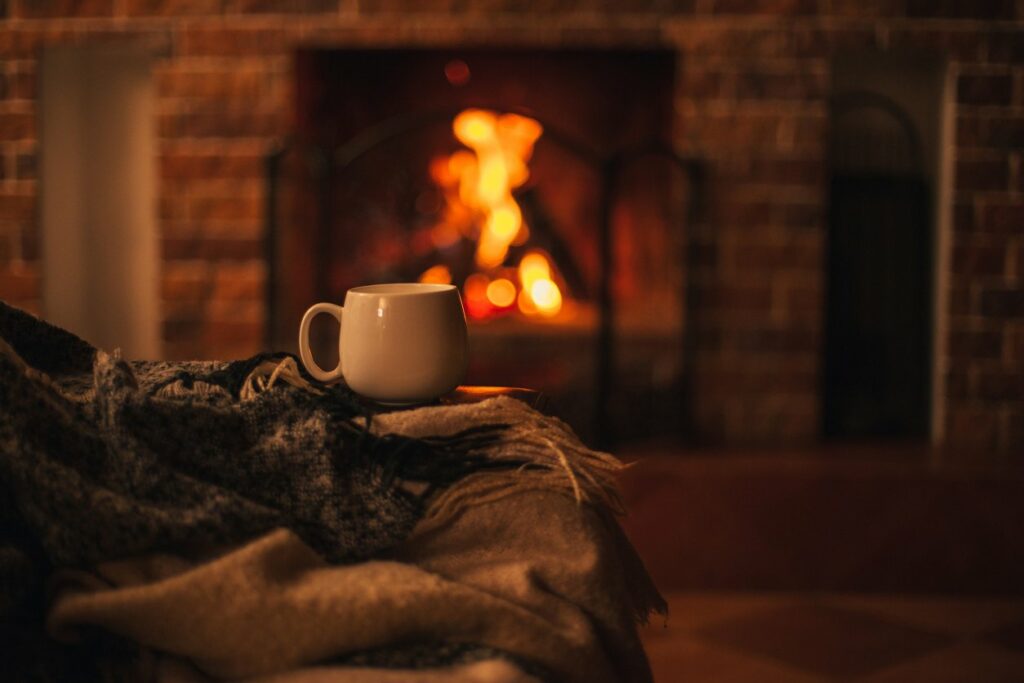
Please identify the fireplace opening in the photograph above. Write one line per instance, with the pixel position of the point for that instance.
(538, 181)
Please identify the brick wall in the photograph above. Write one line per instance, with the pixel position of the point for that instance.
(751, 98)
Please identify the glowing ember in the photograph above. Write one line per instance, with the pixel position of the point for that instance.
(479, 206)
(501, 293)
(540, 295)
(437, 275)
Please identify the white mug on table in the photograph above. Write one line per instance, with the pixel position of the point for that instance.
(399, 343)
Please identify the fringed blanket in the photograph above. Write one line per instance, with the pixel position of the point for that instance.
(106, 460)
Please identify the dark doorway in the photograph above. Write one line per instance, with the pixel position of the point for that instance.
(879, 282)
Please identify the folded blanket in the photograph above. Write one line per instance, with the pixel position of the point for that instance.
(102, 460)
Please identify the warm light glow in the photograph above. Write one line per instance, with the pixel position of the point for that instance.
(540, 295)
(501, 293)
(504, 222)
(534, 266)
(525, 303)
(474, 127)
(547, 297)
(502, 145)
(457, 72)
(437, 275)
(478, 185)
(475, 301)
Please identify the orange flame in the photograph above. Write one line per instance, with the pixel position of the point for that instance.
(479, 205)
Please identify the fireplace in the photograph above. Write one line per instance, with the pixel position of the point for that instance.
(526, 178)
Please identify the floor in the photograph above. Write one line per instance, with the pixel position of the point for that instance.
(869, 565)
(766, 637)
(893, 523)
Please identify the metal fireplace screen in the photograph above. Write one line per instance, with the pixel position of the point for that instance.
(539, 182)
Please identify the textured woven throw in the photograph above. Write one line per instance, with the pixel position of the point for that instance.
(101, 458)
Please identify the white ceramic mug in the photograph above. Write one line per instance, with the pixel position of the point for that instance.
(399, 343)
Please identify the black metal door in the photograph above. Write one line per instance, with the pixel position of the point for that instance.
(878, 317)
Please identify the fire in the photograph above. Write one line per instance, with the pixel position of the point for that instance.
(479, 205)
(541, 295)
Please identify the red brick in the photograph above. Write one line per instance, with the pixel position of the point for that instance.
(801, 298)
(982, 175)
(183, 328)
(776, 339)
(17, 126)
(225, 208)
(19, 283)
(969, 130)
(971, 427)
(184, 282)
(960, 300)
(42, 9)
(975, 344)
(22, 84)
(795, 215)
(1012, 432)
(866, 9)
(1005, 132)
(31, 249)
(17, 207)
(233, 123)
(961, 43)
(189, 165)
(170, 8)
(240, 83)
(773, 7)
(803, 254)
(753, 129)
(1002, 218)
(958, 9)
(25, 166)
(171, 204)
(999, 385)
(16, 43)
(262, 42)
(1005, 46)
(741, 297)
(743, 213)
(805, 173)
(985, 259)
(699, 82)
(1002, 302)
(212, 248)
(957, 384)
(984, 89)
(794, 85)
(734, 41)
(230, 339)
(964, 217)
(242, 281)
(1015, 343)
(283, 6)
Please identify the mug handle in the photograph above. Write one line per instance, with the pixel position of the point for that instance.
(305, 353)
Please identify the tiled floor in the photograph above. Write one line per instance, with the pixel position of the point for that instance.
(825, 638)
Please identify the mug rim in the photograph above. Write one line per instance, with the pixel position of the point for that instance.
(403, 288)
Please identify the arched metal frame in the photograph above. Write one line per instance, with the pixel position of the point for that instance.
(327, 165)
(847, 102)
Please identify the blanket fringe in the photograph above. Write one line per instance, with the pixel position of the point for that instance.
(266, 374)
(544, 452)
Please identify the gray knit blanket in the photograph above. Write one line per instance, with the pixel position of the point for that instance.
(101, 458)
